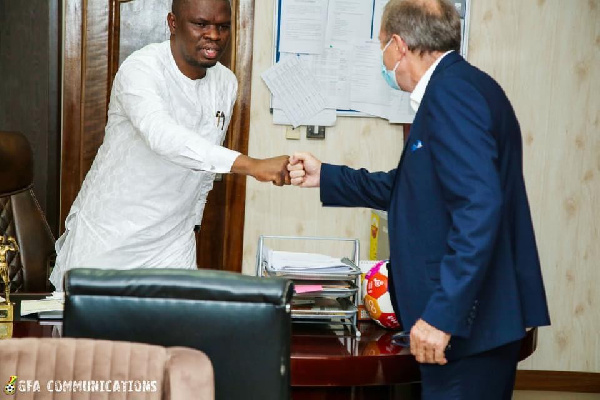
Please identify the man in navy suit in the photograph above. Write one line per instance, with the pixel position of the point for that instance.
(465, 272)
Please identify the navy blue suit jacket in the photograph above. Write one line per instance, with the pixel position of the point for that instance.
(463, 251)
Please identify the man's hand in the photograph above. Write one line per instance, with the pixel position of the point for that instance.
(428, 344)
(305, 170)
(265, 170)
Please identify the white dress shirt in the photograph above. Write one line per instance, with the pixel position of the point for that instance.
(417, 94)
(147, 187)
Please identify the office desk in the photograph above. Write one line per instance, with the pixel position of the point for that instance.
(325, 363)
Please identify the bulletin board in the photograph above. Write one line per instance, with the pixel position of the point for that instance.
(338, 40)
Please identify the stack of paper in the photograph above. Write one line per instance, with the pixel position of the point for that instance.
(307, 262)
(50, 307)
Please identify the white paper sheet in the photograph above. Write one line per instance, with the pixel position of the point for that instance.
(40, 306)
(302, 26)
(399, 110)
(305, 262)
(49, 307)
(367, 85)
(347, 23)
(377, 14)
(296, 90)
(327, 117)
(370, 93)
(331, 71)
(375, 110)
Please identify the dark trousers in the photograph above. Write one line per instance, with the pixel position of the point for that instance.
(484, 376)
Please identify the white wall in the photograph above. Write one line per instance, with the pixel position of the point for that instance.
(546, 55)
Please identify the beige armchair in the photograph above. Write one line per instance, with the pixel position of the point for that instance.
(99, 369)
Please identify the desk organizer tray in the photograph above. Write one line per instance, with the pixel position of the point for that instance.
(314, 274)
(333, 297)
(323, 308)
(327, 292)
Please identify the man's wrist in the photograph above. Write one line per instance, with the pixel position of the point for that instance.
(243, 165)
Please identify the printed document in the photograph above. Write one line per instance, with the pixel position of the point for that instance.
(295, 89)
(302, 26)
(330, 69)
(346, 22)
(370, 93)
(327, 117)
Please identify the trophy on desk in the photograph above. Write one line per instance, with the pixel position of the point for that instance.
(7, 244)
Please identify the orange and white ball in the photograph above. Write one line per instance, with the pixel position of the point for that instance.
(377, 297)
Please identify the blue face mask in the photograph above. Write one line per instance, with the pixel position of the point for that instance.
(389, 76)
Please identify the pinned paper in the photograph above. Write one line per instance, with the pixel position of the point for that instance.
(296, 90)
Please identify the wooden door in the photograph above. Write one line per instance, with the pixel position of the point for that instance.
(99, 34)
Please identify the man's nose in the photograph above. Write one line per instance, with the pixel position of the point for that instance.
(212, 32)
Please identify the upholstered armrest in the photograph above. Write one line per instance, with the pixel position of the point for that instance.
(188, 375)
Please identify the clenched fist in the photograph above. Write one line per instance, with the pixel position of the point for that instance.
(305, 170)
(263, 170)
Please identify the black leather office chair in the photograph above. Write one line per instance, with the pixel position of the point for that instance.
(242, 323)
(22, 218)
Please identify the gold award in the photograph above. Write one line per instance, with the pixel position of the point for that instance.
(7, 244)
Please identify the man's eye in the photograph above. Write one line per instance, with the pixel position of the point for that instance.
(224, 27)
(201, 24)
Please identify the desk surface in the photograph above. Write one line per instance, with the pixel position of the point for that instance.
(320, 356)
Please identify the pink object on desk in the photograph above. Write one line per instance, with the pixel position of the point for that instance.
(307, 288)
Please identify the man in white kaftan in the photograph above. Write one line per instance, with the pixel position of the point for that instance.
(147, 187)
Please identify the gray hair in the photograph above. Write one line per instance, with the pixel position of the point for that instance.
(425, 25)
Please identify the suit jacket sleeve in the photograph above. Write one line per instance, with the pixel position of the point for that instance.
(465, 158)
(347, 187)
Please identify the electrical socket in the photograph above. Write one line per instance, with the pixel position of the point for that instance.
(291, 133)
(315, 132)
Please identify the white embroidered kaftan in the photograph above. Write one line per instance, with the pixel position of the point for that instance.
(147, 187)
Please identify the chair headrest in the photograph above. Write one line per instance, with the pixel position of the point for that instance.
(175, 283)
(16, 163)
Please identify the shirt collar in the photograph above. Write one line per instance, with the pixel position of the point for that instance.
(181, 77)
(417, 94)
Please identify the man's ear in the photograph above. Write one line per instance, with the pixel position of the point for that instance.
(399, 43)
(172, 22)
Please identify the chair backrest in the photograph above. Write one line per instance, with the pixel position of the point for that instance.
(75, 368)
(22, 217)
(242, 323)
